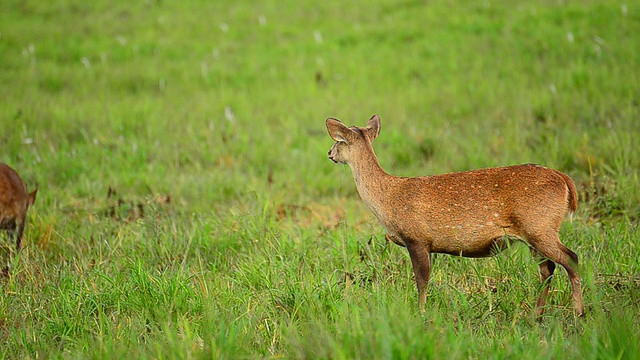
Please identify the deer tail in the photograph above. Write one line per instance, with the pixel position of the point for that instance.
(572, 198)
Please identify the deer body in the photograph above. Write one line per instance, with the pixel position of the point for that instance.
(471, 213)
(14, 203)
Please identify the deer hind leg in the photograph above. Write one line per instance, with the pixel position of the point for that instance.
(576, 284)
(421, 261)
(553, 250)
(546, 268)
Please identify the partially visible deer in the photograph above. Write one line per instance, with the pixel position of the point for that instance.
(472, 213)
(14, 203)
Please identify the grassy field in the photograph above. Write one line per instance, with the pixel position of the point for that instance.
(187, 208)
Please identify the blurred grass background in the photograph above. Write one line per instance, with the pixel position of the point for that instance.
(186, 207)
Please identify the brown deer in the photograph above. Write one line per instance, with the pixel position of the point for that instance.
(471, 214)
(14, 203)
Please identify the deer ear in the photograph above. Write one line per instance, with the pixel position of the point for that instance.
(337, 130)
(373, 127)
(32, 197)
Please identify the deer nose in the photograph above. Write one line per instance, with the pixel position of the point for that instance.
(330, 156)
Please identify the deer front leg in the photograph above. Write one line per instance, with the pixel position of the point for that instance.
(421, 261)
(395, 239)
(18, 235)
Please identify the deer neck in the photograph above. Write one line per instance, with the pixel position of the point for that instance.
(372, 182)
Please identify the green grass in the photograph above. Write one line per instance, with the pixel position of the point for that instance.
(187, 208)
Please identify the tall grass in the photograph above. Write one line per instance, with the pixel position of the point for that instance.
(186, 207)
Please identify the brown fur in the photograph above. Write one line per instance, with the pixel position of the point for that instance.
(14, 203)
(470, 213)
